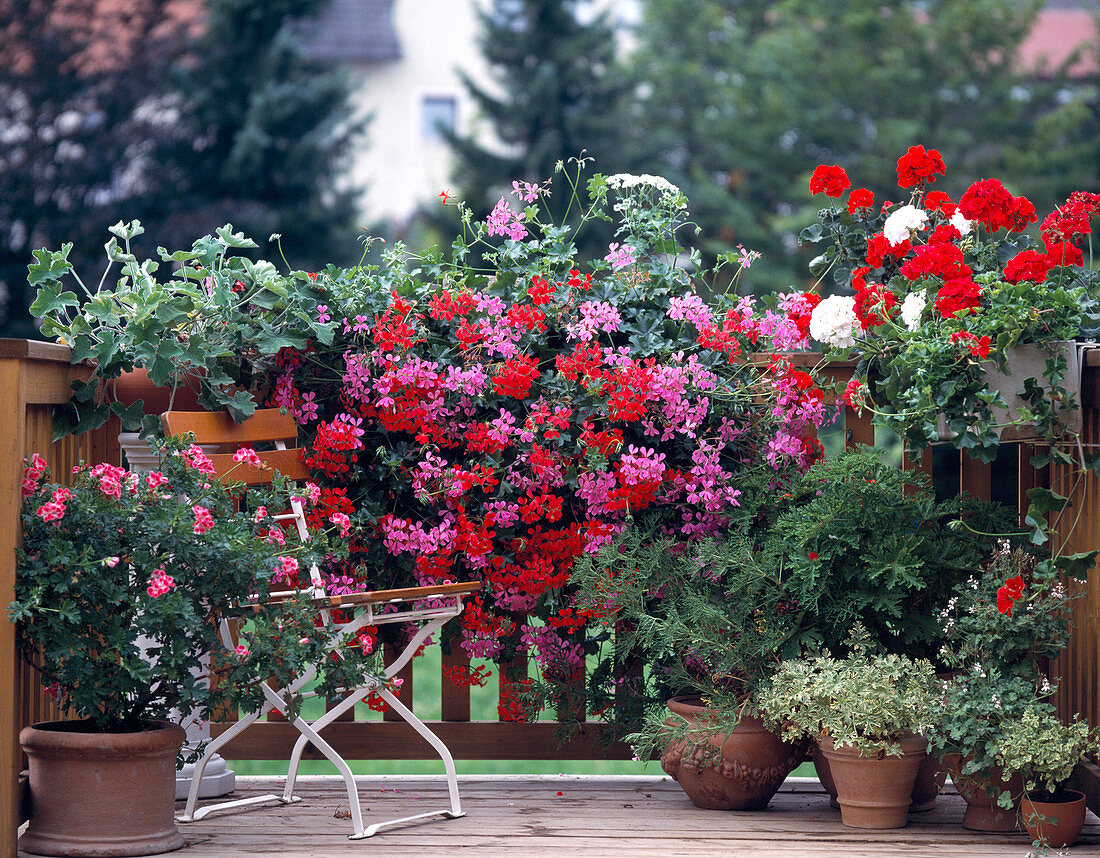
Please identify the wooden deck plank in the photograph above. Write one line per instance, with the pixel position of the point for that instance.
(593, 816)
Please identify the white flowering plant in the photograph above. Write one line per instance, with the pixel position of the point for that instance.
(937, 292)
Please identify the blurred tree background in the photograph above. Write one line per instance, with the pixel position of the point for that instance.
(181, 116)
(189, 122)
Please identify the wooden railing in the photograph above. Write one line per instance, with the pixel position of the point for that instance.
(35, 376)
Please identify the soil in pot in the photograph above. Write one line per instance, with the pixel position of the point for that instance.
(982, 811)
(1056, 823)
(99, 794)
(754, 762)
(876, 791)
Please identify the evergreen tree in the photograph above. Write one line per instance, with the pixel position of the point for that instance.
(560, 92)
(182, 117)
(746, 97)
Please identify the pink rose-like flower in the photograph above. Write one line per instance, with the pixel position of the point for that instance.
(314, 491)
(241, 650)
(261, 512)
(111, 562)
(197, 459)
(203, 519)
(110, 487)
(342, 521)
(288, 570)
(160, 582)
(51, 511)
(155, 479)
(248, 456)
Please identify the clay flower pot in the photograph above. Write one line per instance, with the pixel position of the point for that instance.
(982, 812)
(930, 779)
(876, 791)
(99, 794)
(753, 765)
(824, 773)
(1056, 823)
(135, 384)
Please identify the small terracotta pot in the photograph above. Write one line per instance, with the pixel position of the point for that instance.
(1061, 821)
(930, 779)
(134, 385)
(875, 792)
(982, 812)
(754, 763)
(99, 794)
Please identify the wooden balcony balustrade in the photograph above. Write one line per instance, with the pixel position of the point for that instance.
(36, 376)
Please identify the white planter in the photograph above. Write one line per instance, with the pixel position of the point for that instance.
(1024, 362)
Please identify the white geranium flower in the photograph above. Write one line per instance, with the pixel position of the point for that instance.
(900, 222)
(912, 308)
(834, 322)
(960, 223)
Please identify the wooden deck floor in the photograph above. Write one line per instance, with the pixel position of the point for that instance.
(567, 815)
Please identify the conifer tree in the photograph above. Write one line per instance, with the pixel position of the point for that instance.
(560, 92)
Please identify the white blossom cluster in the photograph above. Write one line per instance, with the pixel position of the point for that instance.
(629, 180)
(834, 322)
(900, 222)
(912, 308)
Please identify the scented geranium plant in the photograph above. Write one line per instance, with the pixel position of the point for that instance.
(207, 318)
(122, 579)
(499, 410)
(944, 290)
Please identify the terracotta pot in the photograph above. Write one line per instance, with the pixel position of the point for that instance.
(930, 779)
(824, 773)
(982, 812)
(875, 792)
(98, 794)
(754, 763)
(1061, 821)
(134, 385)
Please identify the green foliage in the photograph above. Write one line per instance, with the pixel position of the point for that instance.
(867, 700)
(978, 627)
(1044, 750)
(744, 98)
(858, 540)
(114, 638)
(205, 317)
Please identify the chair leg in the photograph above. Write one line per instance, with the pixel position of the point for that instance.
(318, 725)
(433, 740)
(190, 814)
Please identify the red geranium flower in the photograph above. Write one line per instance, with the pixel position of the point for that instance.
(1007, 595)
(860, 198)
(957, 295)
(829, 180)
(1027, 265)
(919, 165)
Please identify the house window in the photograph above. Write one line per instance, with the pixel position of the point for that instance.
(438, 113)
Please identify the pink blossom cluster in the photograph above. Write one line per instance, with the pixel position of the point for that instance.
(160, 582)
(690, 308)
(203, 519)
(595, 316)
(503, 221)
(197, 459)
(619, 256)
(287, 571)
(248, 456)
(550, 649)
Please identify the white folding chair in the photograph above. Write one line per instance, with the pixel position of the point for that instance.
(368, 608)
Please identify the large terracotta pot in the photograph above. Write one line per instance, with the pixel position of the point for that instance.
(824, 773)
(754, 763)
(930, 779)
(100, 794)
(1057, 823)
(876, 791)
(982, 812)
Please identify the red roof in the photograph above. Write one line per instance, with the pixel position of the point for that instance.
(1057, 34)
